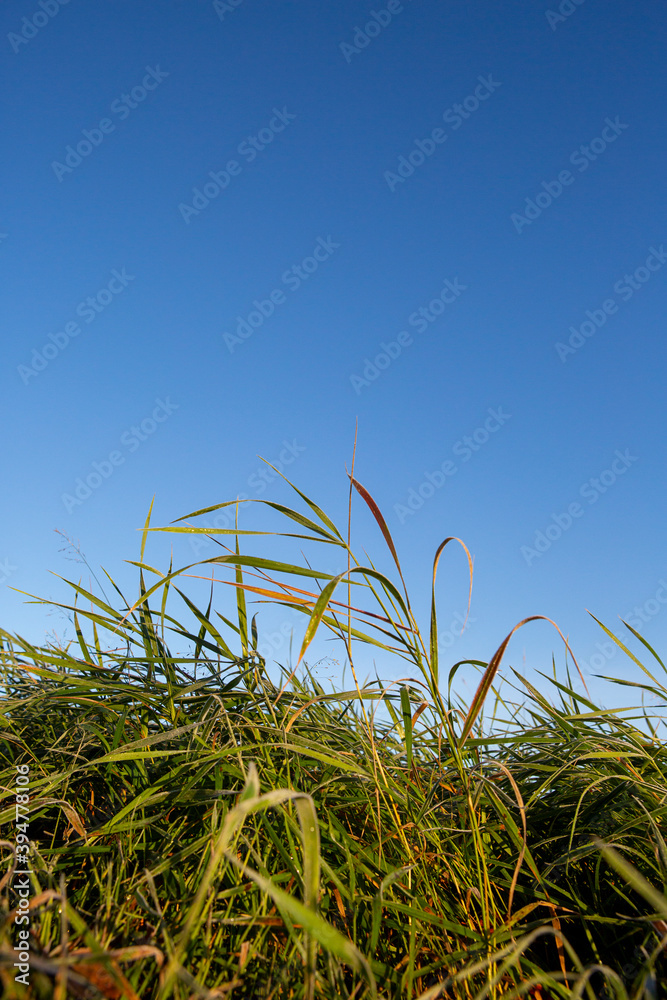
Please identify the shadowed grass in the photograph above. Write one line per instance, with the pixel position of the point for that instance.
(200, 828)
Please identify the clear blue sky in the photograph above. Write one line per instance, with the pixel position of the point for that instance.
(238, 227)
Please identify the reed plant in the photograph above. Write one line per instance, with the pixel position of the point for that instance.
(207, 825)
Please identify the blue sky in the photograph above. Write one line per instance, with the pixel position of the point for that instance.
(233, 229)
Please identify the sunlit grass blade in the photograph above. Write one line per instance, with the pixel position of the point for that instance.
(433, 639)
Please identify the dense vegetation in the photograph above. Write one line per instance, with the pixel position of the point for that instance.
(199, 828)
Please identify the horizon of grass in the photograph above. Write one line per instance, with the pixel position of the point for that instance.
(200, 829)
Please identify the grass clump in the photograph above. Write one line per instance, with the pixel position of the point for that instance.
(203, 826)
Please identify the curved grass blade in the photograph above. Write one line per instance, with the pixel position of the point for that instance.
(434, 617)
(492, 669)
(634, 878)
(377, 514)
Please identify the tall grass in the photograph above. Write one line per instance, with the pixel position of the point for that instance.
(204, 827)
